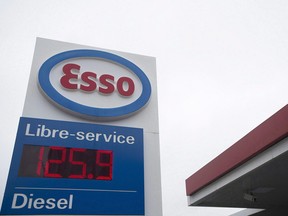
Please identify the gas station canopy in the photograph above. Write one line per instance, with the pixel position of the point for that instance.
(250, 174)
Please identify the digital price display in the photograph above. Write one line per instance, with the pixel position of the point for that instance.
(64, 162)
(61, 167)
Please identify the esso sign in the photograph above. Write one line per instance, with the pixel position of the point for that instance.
(90, 84)
(94, 83)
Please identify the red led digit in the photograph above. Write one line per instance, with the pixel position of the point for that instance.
(40, 162)
(73, 160)
(53, 163)
(104, 159)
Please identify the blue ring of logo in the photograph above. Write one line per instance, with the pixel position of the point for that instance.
(52, 93)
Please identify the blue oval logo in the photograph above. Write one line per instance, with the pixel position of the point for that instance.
(90, 111)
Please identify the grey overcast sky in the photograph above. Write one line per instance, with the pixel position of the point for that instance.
(221, 67)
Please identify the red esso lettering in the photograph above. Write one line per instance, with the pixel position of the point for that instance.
(124, 85)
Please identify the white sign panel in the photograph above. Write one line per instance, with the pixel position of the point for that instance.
(88, 140)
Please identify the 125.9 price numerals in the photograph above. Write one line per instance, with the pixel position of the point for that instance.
(64, 162)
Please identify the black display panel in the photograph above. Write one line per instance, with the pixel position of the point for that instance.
(65, 162)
